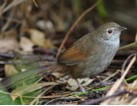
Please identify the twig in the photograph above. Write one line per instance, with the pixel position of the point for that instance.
(112, 75)
(74, 25)
(131, 45)
(29, 61)
(119, 81)
(34, 1)
(3, 6)
(7, 55)
(8, 22)
(53, 101)
(11, 5)
(125, 62)
(97, 101)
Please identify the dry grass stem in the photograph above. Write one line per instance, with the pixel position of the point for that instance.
(119, 81)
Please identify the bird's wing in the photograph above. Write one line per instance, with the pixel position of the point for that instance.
(72, 56)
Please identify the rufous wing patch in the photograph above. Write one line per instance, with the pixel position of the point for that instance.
(72, 56)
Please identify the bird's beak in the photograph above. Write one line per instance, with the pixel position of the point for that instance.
(122, 28)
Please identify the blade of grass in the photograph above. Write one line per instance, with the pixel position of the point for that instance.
(132, 78)
(93, 90)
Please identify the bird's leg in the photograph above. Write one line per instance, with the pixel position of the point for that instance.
(80, 86)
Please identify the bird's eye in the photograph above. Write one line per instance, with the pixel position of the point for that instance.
(109, 31)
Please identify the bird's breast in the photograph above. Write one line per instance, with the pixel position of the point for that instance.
(98, 62)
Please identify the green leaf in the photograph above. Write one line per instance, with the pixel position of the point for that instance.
(5, 98)
(102, 9)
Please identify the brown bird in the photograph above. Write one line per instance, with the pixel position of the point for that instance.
(90, 55)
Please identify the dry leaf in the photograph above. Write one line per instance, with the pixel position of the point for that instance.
(26, 44)
(72, 85)
(38, 38)
(8, 41)
(46, 25)
(10, 70)
(57, 74)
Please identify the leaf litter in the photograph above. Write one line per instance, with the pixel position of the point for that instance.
(29, 40)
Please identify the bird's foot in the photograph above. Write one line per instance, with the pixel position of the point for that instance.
(80, 86)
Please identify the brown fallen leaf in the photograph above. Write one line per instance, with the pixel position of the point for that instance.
(8, 41)
(10, 70)
(26, 45)
(38, 38)
(72, 85)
